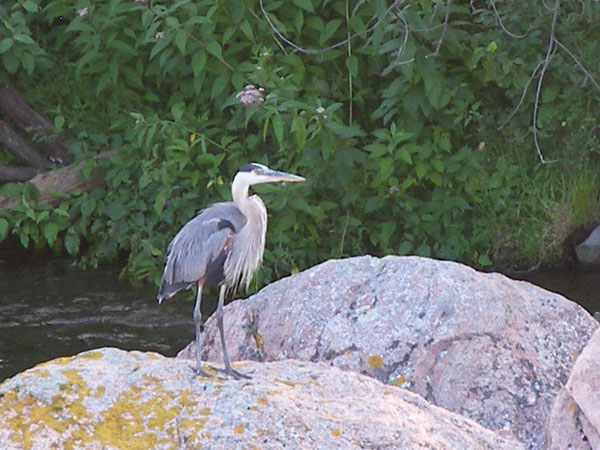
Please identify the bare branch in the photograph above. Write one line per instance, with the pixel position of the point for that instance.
(529, 80)
(436, 52)
(549, 52)
(401, 50)
(331, 47)
(499, 19)
(581, 66)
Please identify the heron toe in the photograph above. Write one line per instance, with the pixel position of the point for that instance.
(232, 373)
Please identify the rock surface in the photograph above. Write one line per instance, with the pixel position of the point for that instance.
(574, 422)
(588, 252)
(113, 399)
(482, 345)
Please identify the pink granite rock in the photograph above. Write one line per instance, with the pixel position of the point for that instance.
(110, 399)
(482, 345)
(574, 422)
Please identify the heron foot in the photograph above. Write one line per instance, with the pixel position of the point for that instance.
(201, 373)
(228, 370)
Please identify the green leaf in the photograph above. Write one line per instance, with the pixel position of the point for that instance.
(404, 155)
(59, 121)
(299, 130)
(5, 44)
(3, 228)
(376, 150)
(24, 38)
(352, 65)
(387, 230)
(10, 190)
(181, 40)
(71, 242)
(219, 85)
(421, 170)
(432, 80)
(160, 45)
(329, 29)
(50, 230)
(88, 206)
(198, 62)
(115, 210)
(549, 93)
(159, 203)
(278, 129)
(214, 49)
(29, 6)
(304, 4)
(11, 63)
(247, 30)
(177, 110)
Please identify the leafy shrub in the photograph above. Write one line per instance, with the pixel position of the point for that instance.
(391, 113)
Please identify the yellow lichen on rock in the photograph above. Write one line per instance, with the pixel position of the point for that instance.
(91, 355)
(287, 382)
(374, 361)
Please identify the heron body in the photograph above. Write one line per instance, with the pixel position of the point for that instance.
(223, 244)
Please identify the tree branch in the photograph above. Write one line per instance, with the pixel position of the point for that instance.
(19, 149)
(36, 125)
(55, 183)
(17, 174)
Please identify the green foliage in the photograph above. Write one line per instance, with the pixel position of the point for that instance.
(396, 131)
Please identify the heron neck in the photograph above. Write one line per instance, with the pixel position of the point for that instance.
(239, 193)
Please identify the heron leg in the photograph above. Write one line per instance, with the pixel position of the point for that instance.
(228, 369)
(199, 325)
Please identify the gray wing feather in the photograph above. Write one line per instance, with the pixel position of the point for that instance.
(196, 245)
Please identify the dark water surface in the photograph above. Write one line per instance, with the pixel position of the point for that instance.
(50, 309)
(579, 286)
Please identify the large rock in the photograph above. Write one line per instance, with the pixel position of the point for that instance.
(588, 252)
(112, 399)
(574, 421)
(482, 345)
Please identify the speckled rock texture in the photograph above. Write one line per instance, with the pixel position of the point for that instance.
(574, 421)
(480, 344)
(113, 399)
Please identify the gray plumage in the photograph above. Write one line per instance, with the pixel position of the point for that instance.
(223, 244)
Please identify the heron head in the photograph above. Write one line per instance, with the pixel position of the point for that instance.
(255, 173)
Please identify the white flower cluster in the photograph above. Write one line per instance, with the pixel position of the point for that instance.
(250, 95)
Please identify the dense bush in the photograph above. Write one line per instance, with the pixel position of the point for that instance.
(391, 111)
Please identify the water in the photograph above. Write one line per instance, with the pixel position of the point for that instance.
(579, 286)
(50, 309)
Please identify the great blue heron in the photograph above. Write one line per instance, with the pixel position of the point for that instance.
(224, 245)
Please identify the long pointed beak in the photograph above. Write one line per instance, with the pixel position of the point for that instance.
(275, 175)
